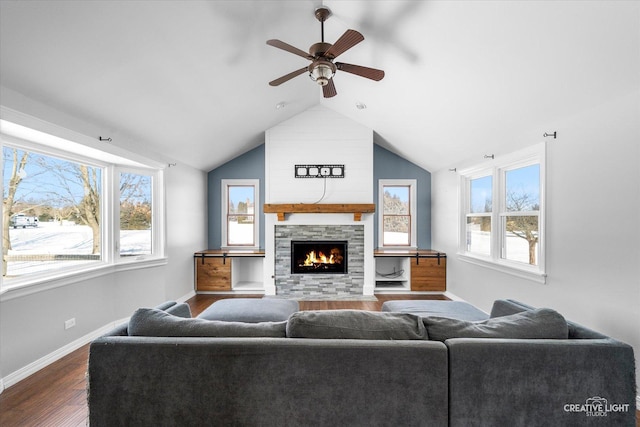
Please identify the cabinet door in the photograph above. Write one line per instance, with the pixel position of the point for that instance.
(213, 274)
(428, 275)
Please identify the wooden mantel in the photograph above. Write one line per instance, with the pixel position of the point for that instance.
(356, 208)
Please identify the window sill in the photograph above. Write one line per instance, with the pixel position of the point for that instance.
(28, 287)
(522, 273)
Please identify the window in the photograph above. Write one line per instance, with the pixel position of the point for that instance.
(73, 210)
(397, 221)
(240, 223)
(136, 214)
(51, 213)
(502, 220)
(478, 231)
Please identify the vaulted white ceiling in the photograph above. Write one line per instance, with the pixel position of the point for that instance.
(189, 79)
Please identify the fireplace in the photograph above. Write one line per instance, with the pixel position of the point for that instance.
(319, 256)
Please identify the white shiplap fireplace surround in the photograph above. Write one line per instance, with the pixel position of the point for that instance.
(319, 136)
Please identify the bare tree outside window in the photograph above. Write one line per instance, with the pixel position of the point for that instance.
(241, 215)
(136, 214)
(396, 216)
(521, 220)
(51, 212)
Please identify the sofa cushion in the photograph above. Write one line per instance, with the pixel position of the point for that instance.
(506, 307)
(542, 323)
(151, 322)
(180, 310)
(355, 324)
(423, 308)
(252, 310)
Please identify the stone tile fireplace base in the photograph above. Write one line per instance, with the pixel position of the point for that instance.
(319, 286)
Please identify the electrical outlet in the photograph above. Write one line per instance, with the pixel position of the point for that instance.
(70, 323)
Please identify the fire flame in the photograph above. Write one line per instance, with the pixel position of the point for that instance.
(320, 258)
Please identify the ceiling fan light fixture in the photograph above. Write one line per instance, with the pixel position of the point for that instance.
(321, 72)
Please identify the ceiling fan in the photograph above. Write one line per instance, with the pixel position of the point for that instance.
(322, 68)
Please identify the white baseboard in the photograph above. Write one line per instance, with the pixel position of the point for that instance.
(452, 297)
(184, 298)
(48, 359)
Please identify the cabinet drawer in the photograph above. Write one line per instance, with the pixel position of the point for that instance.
(213, 274)
(428, 274)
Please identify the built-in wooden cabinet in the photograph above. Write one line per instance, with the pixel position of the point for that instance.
(428, 274)
(420, 270)
(213, 274)
(219, 270)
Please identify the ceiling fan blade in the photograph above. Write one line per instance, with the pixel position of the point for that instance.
(329, 90)
(349, 39)
(358, 70)
(287, 77)
(291, 49)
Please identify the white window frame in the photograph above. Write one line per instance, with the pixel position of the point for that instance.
(498, 169)
(157, 214)
(412, 184)
(32, 134)
(225, 184)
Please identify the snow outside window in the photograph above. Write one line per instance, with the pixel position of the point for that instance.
(240, 199)
(397, 219)
(502, 214)
(65, 214)
(51, 215)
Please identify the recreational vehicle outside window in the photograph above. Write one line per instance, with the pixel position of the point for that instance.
(67, 214)
(62, 199)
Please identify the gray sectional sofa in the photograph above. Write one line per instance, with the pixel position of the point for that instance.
(518, 366)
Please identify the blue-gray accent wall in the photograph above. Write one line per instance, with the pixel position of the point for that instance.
(249, 165)
(387, 165)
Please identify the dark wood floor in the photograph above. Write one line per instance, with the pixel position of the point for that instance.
(56, 395)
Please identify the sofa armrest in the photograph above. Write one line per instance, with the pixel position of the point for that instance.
(535, 382)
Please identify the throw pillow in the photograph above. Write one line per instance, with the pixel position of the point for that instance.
(542, 323)
(150, 322)
(355, 324)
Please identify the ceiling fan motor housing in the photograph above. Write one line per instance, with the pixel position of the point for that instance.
(317, 50)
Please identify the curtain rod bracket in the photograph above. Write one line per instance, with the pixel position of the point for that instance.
(554, 134)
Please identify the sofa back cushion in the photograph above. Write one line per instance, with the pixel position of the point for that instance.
(151, 322)
(180, 310)
(506, 307)
(355, 324)
(542, 323)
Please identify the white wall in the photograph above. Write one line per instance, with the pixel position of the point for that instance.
(318, 136)
(593, 226)
(31, 326)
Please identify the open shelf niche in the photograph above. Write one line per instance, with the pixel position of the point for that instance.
(393, 273)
